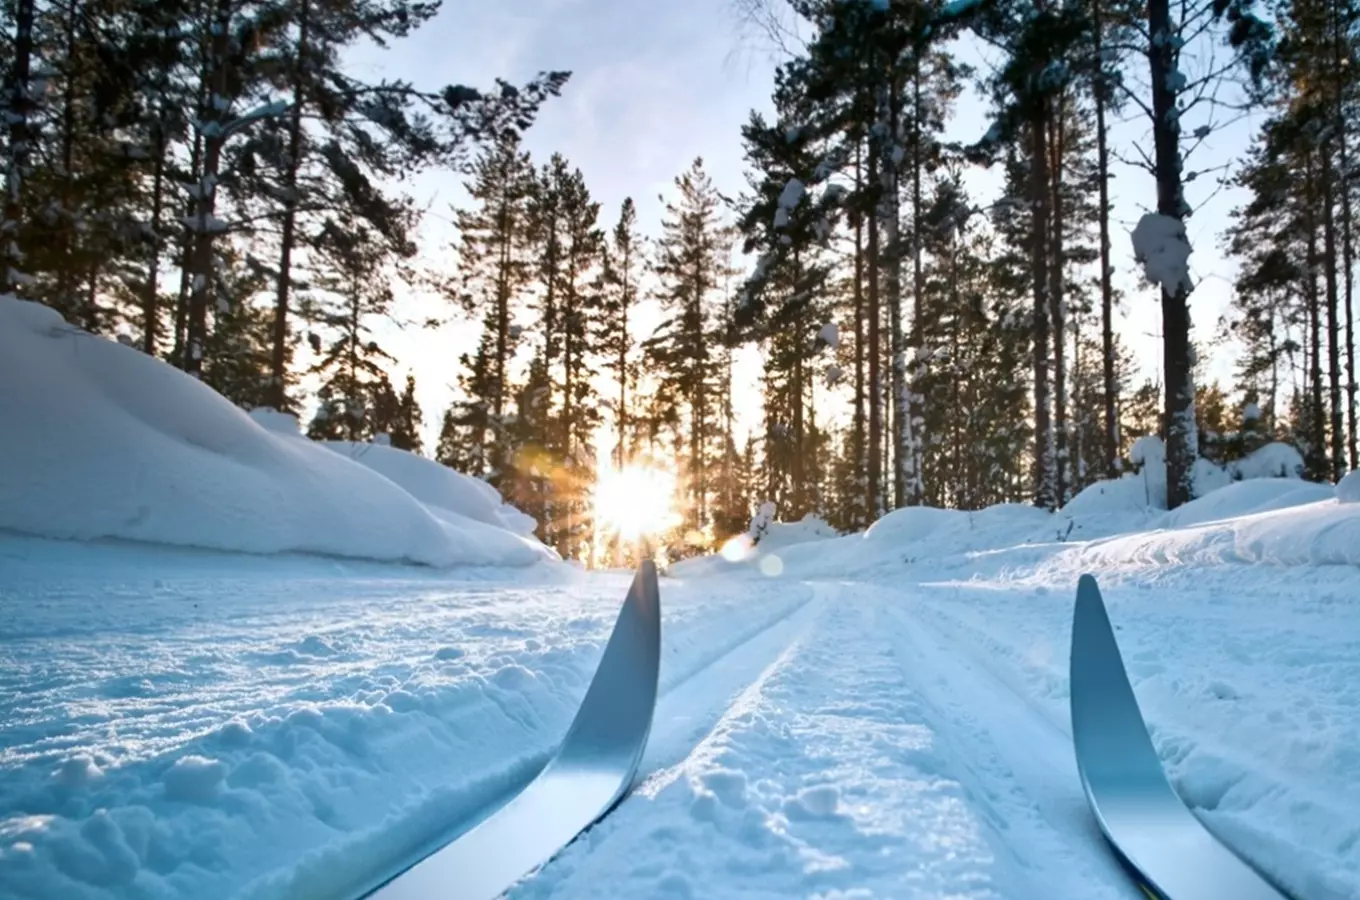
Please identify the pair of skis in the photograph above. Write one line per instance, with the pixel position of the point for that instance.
(1160, 843)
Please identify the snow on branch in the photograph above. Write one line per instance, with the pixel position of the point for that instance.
(1160, 245)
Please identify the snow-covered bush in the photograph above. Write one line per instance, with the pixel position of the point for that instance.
(761, 522)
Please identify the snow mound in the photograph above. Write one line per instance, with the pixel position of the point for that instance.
(437, 486)
(1315, 533)
(103, 441)
(924, 531)
(271, 419)
(1243, 498)
(1138, 499)
(786, 534)
(1348, 488)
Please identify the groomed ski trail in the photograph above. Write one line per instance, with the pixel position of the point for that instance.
(198, 724)
(848, 769)
(1239, 760)
(695, 689)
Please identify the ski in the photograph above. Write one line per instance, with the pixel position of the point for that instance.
(1166, 849)
(589, 774)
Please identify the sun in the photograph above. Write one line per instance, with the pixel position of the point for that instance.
(635, 501)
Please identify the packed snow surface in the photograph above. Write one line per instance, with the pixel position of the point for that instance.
(103, 441)
(884, 718)
(876, 715)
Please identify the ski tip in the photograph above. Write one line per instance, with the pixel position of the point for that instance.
(646, 592)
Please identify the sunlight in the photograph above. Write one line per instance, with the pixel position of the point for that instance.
(636, 502)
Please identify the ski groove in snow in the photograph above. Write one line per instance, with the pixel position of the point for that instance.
(1230, 757)
(825, 778)
(341, 711)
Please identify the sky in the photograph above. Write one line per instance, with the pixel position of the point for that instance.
(655, 85)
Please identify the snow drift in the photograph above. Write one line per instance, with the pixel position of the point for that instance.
(1254, 510)
(103, 441)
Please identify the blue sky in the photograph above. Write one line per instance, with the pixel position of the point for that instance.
(658, 82)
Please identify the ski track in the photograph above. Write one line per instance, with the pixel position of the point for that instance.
(1262, 764)
(859, 774)
(177, 723)
(174, 723)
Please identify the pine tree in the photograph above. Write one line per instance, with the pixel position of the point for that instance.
(492, 276)
(354, 380)
(623, 262)
(689, 267)
(404, 430)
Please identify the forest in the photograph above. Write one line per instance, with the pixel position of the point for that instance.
(208, 182)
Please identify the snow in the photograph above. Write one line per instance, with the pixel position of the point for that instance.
(103, 441)
(1160, 245)
(1348, 488)
(830, 335)
(881, 714)
(185, 723)
(789, 197)
(450, 495)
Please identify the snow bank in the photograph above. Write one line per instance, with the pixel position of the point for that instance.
(103, 441)
(786, 534)
(177, 725)
(1324, 532)
(1257, 509)
(437, 486)
(1348, 488)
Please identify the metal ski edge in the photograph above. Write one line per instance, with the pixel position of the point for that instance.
(591, 772)
(1163, 847)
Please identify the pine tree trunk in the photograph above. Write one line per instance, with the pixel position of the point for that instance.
(201, 258)
(1317, 428)
(66, 270)
(1045, 487)
(874, 498)
(16, 162)
(861, 448)
(151, 298)
(1182, 445)
(278, 359)
(1338, 430)
(916, 485)
(1342, 135)
(624, 302)
(1111, 392)
(186, 248)
(501, 388)
(699, 401)
(1057, 299)
(889, 214)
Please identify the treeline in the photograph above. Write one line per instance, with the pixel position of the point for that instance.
(205, 180)
(979, 357)
(555, 284)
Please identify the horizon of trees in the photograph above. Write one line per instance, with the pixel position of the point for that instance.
(205, 179)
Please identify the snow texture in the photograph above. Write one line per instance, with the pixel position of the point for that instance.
(880, 714)
(179, 723)
(103, 441)
(1160, 245)
(1348, 488)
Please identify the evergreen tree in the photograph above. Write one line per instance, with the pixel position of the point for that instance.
(689, 264)
(492, 276)
(623, 262)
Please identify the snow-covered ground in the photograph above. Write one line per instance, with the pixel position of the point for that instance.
(217, 680)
